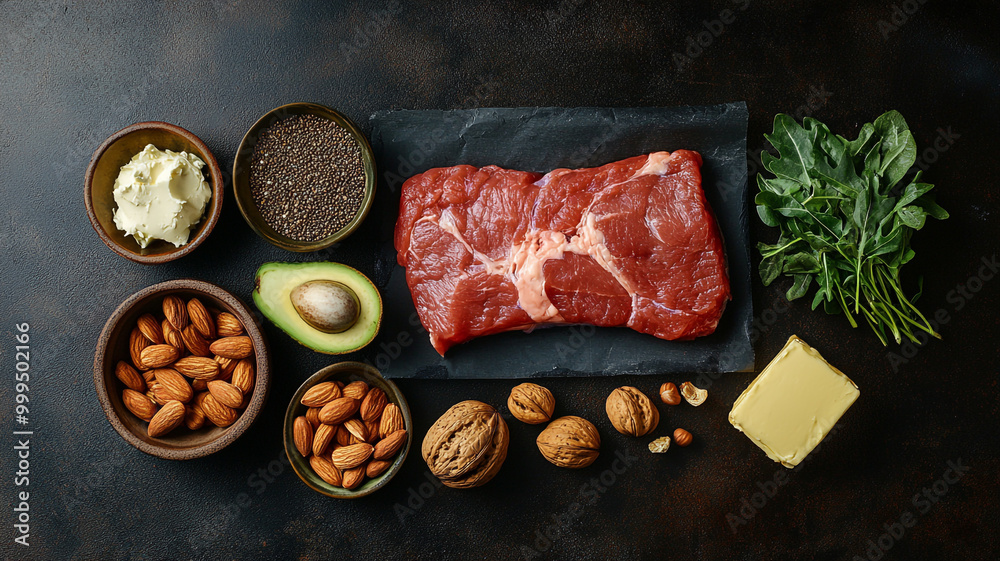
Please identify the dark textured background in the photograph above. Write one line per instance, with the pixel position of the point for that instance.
(72, 73)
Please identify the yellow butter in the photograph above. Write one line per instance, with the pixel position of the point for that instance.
(792, 405)
(160, 195)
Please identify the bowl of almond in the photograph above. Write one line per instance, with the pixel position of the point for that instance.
(347, 430)
(181, 369)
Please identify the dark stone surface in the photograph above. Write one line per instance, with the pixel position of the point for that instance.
(72, 73)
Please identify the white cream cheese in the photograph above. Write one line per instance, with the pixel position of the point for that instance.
(160, 195)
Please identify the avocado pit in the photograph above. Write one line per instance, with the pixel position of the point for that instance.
(326, 305)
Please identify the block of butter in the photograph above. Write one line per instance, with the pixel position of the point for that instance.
(792, 405)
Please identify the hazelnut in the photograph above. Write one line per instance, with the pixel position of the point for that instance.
(693, 394)
(631, 412)
(682, 437)
(669, 394)
(531, 403)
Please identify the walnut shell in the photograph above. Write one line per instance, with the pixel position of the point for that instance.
(570, 442)
(631, 412)
(466, 446)
(531, 403)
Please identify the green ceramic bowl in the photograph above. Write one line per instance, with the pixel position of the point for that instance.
(345, 372)
(241, 176)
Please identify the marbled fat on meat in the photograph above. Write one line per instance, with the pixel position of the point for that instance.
(631, 243)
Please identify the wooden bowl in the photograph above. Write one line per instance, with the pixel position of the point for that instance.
(345, 372)
(241, 176)
(113, 345)
(99, 184)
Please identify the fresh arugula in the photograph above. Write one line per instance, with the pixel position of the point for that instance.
(844, 222)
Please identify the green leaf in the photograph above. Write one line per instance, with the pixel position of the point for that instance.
(898, 149)
(927, 203)
(799, 287)
(802, 263)
(912, 192)
(795, 150)
(770, 268)
(913, 216)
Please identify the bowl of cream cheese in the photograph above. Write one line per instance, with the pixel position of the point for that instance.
(153, 192)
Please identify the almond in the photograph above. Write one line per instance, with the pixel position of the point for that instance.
(158, 356)
(356, 389)
(388, 446)
(326, 470)
(320, 394)
(140, 405)
(372, 428)
(149, 376)
(226, 393)
(392, 420)
(175, 311)
(199, 384)
(226, 367)
(217, 413)
(321, 439)
(338, 410)
(302, 435)
(344, 438)
(243, 376)
(173, 385)
(169, 417)
(200, 318)
(353, 477)
(373, 404)
(227, 325)
(194, 417)
(357, 429)
(197, 367)
(176, 340)
(150, 328)
(232, 347)
(136, 343)
(158, 394)
(130, 377)
(312, 415)
(376, 468)
(351, 456)
(194, 342)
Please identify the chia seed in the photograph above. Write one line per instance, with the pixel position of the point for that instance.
(307, 177)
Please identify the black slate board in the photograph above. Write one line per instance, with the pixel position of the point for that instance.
(540, 140)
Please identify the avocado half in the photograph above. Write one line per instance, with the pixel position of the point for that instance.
(273, 286)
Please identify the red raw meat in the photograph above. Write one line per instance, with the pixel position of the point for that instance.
(631, 243)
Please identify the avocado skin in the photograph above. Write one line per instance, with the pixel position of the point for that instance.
(274, 282)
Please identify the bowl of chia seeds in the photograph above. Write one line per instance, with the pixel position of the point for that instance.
(304, 177)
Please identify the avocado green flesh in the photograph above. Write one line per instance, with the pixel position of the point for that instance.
(272, 295)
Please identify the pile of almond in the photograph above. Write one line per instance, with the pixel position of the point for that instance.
(349, 432)
(194, 365)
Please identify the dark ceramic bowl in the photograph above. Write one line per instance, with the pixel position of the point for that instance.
(241, 176)
(113, 345)
(345, 372)
(99, 185)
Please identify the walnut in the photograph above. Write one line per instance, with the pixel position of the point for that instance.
(531, 403)
(570, 442)
(631, 412)
(693, 394)
(467, 445)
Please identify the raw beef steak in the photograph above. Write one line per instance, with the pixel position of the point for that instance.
(632, 243)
